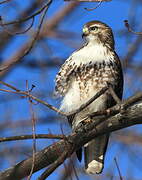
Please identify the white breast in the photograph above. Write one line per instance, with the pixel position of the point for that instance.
(95, 53)
(74, 98)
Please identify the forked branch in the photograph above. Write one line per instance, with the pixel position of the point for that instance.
(131, 115)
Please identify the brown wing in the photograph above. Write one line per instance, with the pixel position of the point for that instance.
(63, 77)
(94, 152)
(117, 87)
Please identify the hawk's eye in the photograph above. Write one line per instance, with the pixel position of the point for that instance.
(94, 28)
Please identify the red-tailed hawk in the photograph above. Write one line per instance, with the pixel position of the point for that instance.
(83, 74)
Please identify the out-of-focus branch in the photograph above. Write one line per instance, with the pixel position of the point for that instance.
(70, 169)
(130, 29)
(5, 1)
(26, 94)
(5, 37)
(26, 49)
(88, 0)
(129, 138)
(130, 116)
(48, 28)
(132, 51)
(91, 9)
(24, 19)
(51, 24)
(22, 32)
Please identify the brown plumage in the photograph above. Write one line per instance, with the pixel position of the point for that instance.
(82, 75)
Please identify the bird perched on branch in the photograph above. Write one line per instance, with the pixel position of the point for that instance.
(83, 74)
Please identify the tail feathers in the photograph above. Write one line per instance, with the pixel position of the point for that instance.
(95, 153)
(94, 167)
(79, 154)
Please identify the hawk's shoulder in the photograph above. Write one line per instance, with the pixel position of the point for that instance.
(63, 76)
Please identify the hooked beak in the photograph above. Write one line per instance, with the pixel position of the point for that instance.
(83, 35)
(85, 32)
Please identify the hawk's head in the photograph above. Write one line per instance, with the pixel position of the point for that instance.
(98, 32)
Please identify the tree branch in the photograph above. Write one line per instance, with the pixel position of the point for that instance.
(37, 136)
(131, 115)
(129, 28)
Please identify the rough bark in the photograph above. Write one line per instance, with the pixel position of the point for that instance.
(100, 125)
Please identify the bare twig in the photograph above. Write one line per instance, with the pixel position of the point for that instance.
(36, 99)
(9, 85)
(129, 28)
(50, 25)
(5, 1)
(27, 18)
(33, 131)
(50, 106)
(91, 9)
(114, 95)
(26, 137)
(132, 100)
(83, 106)
(33, 40)
(118, 107)
(16, 33)
(119, 172)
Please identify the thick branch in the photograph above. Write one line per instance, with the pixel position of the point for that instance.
(130, 116)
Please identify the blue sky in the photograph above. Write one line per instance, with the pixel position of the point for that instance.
(112, 13)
